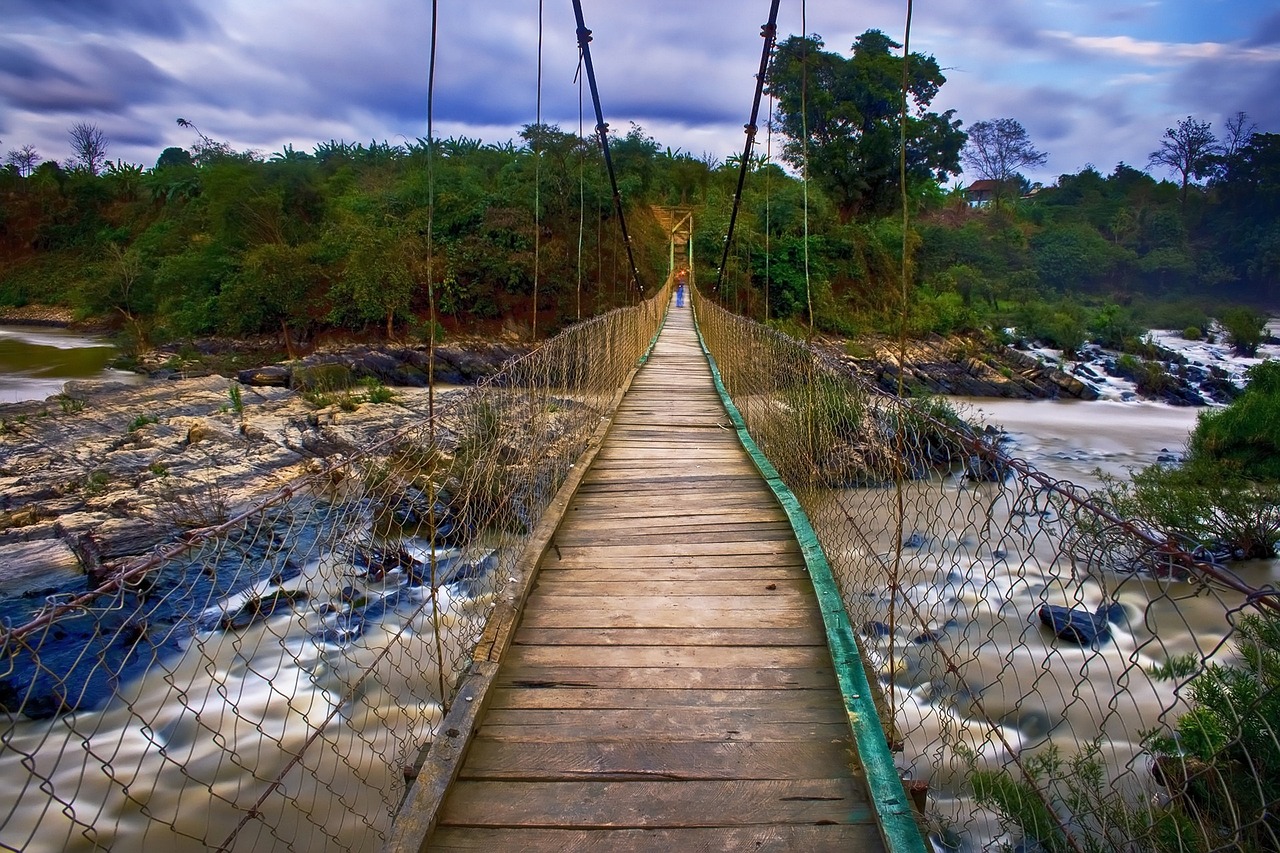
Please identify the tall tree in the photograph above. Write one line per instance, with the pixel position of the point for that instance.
(998, 150)
(1239, 131)
(1190, 149)
(851, 109)
(89, 145)
(24, 159)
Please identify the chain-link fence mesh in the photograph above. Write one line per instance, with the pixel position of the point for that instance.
(270, 682)
(1047, 670)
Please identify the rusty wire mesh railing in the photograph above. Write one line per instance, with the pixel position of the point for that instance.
(269, 681)
(1044, 666)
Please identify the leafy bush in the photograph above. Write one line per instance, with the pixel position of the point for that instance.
(1073, 796)
(1245, 328)
(1206, 501)
(1246, 433)
(1222, 762)
(1150, 377)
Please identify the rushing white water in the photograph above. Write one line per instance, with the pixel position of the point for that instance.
(178, 755)
(977, 680)
(1072, 439)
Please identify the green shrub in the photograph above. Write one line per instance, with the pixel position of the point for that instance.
(376, 392)
(1222, 762)
(1060, 797)
(1245, 328)
(1204, 500)
(1246, 433)
(1192, 333)
(1150, 377)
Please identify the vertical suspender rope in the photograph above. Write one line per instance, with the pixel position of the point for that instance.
(770, 33)
(768, 158)
(582, 190)
(602, 131)
(895, 570)
(431, 350)
(804, 157)
(537, 177)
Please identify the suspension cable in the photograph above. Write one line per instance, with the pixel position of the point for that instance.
(602, 132)
(769, 32)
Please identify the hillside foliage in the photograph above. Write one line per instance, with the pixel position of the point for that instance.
(209, 240)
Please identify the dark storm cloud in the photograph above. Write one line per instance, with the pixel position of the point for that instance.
(167, 18)
(1267, 32)
(96, 78)
(1218, 90)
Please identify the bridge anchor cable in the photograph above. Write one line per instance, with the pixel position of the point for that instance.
(769, 32)
(602, 133)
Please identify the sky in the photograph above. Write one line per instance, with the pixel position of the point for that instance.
(1094, 82)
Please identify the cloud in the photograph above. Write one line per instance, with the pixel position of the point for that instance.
(1267, 32)
(97, 78)
(169, 19)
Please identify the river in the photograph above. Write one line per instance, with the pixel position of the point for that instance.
(36, 361)
(175, 751)
(978, 681)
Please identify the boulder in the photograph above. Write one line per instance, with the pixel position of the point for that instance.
(270, 376)
(1080, 626)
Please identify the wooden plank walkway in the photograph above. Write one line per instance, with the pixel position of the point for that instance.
(669, 686)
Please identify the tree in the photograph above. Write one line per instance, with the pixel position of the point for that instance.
(89, 145)
(24, 159)
(1190, 149)
(849, 112)
(1239, 131)
(1245, 329)
(998, 150)
(174, 156)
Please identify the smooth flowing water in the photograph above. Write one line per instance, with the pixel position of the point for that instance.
(975, 677)
(35, 362)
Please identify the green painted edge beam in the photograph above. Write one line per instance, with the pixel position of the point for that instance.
(898, 823)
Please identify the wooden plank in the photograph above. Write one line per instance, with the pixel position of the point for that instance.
(641, 804)
(561, 725)
(761, 657)
(625, 617)
(571, 584)
(681, 549)
(630, 535)
(805, 678)
(809, 634)
(653, 698)
(759, 839)
(579, 558)
(671, 760)
(710, 574)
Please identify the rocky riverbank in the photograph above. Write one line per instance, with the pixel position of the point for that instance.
(106, 471)
(959, 366)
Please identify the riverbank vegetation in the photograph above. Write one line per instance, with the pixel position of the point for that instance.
(1226, 492)
(1216, 766)
(345, 238)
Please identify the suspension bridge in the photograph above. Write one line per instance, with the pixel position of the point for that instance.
(669, 685)
(674, 580)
